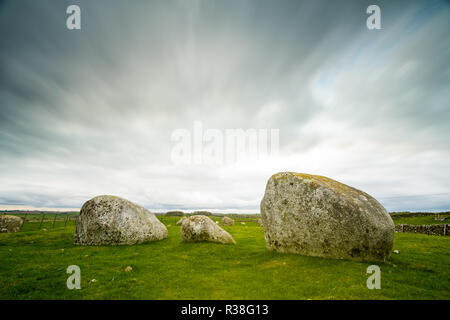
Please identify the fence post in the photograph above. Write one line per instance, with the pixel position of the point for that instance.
(54, 221)
(42, 220)
(67, 217)
(25, 218)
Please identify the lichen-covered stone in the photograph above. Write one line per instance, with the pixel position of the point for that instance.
(317, 216)
(110, 220)
(227, 221)
(10, 223)
(202, 228)
(260, 223)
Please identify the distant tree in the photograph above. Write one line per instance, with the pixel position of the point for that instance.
(175, 213)
(203, 213)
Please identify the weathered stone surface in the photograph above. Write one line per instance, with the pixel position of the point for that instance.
(110, 220)
(179, 222)
(10, 223)
(227, 221)
(202, 228)
(318, 216)
(260, 223)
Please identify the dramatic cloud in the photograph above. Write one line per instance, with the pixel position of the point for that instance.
(91, 111)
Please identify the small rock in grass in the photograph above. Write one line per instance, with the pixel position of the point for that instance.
(179, 222)
(396, 251)
(227, 221)
(128, 269)
(94, 280)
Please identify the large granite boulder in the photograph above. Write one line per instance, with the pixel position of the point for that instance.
(202, 228)
(110, 220)
(10, 223)
(227, 221)
(317, 216)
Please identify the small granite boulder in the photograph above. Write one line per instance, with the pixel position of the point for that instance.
(260, 222)
(10, 223)
(226, 221)
(110, 220)
(317, 216)
(202, 228)
(179, 222)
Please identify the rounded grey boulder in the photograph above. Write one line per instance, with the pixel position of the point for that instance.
(202, 228)
(10, 223)
(227, 221)
(179, 222)
(110, 220)
(317, 216)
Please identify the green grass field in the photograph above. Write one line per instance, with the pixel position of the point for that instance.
(34, 262)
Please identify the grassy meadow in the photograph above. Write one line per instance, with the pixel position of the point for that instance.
(34, 262)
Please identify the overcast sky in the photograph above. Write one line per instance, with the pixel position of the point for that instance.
(91, 111)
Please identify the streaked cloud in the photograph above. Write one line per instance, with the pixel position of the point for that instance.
(91, 112)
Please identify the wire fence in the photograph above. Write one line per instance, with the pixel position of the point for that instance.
(45, 220)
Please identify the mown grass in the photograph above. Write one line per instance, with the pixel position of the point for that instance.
(33, 266)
